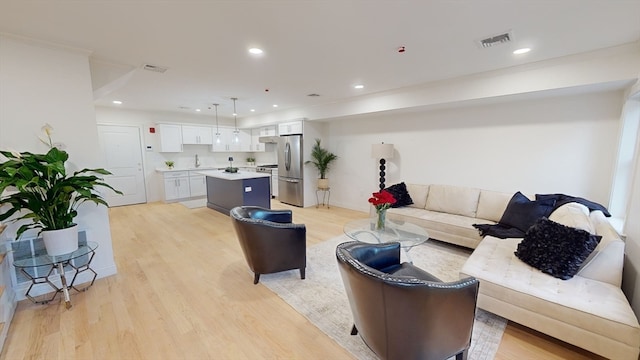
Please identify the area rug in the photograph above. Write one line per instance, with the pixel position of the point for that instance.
(321, 297)
(194, 204)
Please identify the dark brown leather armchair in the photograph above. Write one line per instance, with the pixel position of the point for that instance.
(401, 311)
(269, 240)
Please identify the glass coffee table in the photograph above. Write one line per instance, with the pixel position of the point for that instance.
(407, 234)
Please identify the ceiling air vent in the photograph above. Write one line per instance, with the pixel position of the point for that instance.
(313, 95)
(154, 68)
(495, 40)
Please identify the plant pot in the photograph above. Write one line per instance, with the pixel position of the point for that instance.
(62, 241)
(323, 183)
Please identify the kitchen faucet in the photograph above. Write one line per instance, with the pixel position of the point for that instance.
(197, 161)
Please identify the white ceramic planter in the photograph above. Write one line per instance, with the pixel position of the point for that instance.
(60, 242)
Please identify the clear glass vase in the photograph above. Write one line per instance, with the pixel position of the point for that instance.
(381, 218)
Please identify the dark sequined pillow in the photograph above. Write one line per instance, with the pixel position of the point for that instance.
(556, 249)
(400, 193)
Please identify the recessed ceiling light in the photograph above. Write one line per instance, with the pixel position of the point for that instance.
(275, 105)
(253, 110)
(117, 102)
(255, 51)
(197, 109)
(358, 86)
(521, 51)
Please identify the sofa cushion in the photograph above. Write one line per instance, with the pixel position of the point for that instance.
(573, 215)
(593, 306)
(399, 192)
(458, 200)
(492, 204)
(556, 249)
(418, 194)
(521, 212)
(439, 223)
(606, 262)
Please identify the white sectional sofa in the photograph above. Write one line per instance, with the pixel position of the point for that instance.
(448, 212)
(589, 310)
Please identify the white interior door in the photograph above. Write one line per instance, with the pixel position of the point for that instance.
(122, 148)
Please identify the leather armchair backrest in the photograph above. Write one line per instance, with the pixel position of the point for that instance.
(402, 311)
(263, 241)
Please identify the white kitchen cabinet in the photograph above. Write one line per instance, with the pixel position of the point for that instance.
(197, 184)
(176, 185)
(290, 128)
(170, 137)
(192, 134)
(228, 141)
(256, 146)
(274, 183)
(268, 130)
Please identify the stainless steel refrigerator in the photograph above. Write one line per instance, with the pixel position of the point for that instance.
(290, 171)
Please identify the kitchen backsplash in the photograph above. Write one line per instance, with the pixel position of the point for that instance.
(186, 159)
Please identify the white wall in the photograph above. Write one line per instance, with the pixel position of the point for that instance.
(561, 144)
(43, 84)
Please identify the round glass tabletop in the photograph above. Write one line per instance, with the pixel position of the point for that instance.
(407, 234)
(42, 259)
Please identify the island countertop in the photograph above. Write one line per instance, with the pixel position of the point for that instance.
(240, 175)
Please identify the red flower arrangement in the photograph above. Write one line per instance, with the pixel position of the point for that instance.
(382, 200)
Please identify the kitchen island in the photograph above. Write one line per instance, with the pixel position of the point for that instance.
(228, 190)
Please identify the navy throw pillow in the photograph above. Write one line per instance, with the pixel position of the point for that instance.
(521, 212)
(556, 249)
(400, 193)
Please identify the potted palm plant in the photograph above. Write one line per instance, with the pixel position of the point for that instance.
(321, 159)
(39, 184)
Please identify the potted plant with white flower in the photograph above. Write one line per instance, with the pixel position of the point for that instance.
(37, 188)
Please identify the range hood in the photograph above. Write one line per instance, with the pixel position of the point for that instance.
(269, 139)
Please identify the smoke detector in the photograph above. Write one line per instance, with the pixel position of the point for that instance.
(154, 68)
(496, 40)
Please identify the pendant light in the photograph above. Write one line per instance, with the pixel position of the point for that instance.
(217, 127)
(236, 132)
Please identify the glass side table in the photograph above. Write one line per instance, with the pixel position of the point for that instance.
(79, 260)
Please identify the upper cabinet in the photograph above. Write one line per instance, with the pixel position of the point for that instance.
(268, 130)
(256, 133)
(197, 134)
(170, 138)
(290, 128)
(255, 141)
(230, 141)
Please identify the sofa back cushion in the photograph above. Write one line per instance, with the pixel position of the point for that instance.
(418, 194)
(492, 204)
(574, 215)
(606, 262)
(450, 199)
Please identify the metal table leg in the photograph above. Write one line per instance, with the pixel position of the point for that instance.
(65, 289)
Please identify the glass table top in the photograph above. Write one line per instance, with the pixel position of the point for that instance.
(41, 258)
(407, 234)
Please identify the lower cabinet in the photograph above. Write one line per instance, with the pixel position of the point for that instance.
(197, 184)
(180, 185)
(176, 185)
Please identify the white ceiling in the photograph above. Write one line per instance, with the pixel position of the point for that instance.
(311, 46)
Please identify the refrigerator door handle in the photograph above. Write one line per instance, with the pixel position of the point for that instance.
(293, 181)
(287, 156)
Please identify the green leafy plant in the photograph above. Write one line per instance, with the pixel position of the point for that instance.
(39, 183)
(321, 159)
(169, 163)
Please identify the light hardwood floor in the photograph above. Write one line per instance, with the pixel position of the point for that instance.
(183, 291)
